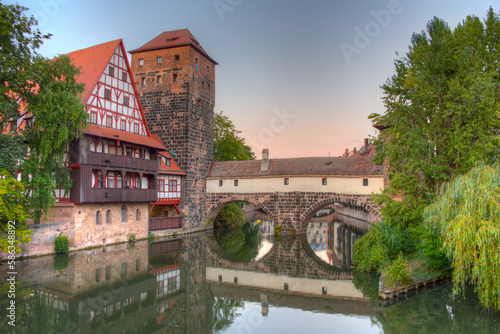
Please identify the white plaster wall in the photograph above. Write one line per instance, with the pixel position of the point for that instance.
(340, 185)
(335, 288)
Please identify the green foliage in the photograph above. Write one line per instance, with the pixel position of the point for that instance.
(232, 216)
(371, 251)
(242, 243)
(431, 248)
(228, 145)
(61, 244)
(441, 109)
(396, 274)
(131, 237)
(12, 209)
(467, 215)
(46, 89)
(224, 312)
(367, 283)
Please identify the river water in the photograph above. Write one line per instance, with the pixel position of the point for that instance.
(238, 281)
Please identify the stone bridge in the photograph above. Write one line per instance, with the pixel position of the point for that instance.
(292, 190)
(293, 208)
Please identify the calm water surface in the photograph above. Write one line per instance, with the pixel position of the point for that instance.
(239, 281)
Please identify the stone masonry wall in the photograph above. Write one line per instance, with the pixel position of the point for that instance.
(178, 99)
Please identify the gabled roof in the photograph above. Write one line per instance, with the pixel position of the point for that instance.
(105, 132)
(172, 169)
(93, 62)
(173, 39)
(350, 166)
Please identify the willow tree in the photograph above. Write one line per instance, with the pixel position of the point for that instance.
(442, 111)
(467, 215)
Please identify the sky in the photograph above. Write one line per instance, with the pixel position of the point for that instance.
(298, 77)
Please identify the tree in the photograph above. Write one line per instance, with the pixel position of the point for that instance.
(442, 112)
(30, 83)
(228, 145)
(467, 215)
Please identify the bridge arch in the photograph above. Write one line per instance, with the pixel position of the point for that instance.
(343, 199)
(220, 204)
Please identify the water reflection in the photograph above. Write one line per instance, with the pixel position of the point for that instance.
(190, 285)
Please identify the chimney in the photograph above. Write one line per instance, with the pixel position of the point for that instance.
(366, 142)
(264, 164)
(346, 153)
(354, 150)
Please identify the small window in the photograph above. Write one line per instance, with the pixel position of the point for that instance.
(199, 103)
(124, 213)
(97, 218)
(107, 94)
(158, 60)
(209, 88)
(143, 81)
(124, 76)
(168, 162)
(197, 161)
(108, 272)
(176, 57)
(235, 183)
(108, 217)
(136, 128)
(13, 126)
(174, 77)
(137, 214)
(109, 121)
(324, 181)
(365, 182)
(111, 71)
(123, 125)
(221, 183)
(196, 65)
(141, 62)
(126, 100)
(93, 117)
(158, 79)
(208, 69)
(286, 181)
(97, 275)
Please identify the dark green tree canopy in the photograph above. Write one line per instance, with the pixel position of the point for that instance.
(442, 106)
(30, 83)
(228, 145)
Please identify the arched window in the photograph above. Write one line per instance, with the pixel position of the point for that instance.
(124, 214)
(108, 217)
(97, 214)
(138, 214)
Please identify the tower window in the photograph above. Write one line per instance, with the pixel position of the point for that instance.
(158, 79)
(111, 71)
(208, 69)
(203, 84)
(176, 57)
(365, 182)
(143, 81)
(107, 94)
(199, 103)
(174, 77)
(126, 100)
(197, 161)
(196, 65)
(141, 62)
(209, 88)
(158, 60)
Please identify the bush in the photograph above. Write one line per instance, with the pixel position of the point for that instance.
(131, 237)
(61, 244)
(396, 274)
(232, 216)
(370, 251)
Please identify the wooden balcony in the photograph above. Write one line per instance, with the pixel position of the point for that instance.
(164, 223)
(120, 161)
(121, 195)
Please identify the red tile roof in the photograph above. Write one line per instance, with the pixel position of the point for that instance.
(173, 39)
(93, 62)
(173, 169)
(338, 166)
(128, 137)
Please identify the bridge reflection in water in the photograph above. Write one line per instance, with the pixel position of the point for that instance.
(191, 285)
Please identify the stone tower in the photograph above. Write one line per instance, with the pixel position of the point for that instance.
(175, 78)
